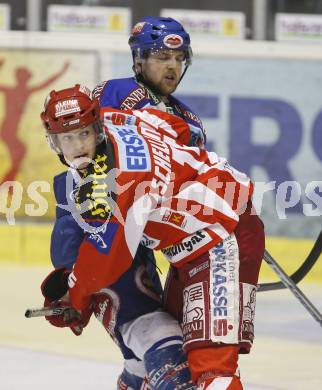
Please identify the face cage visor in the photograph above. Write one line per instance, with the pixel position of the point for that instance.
(53, 143)
(143, 54)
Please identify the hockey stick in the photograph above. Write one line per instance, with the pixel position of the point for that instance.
(286, 282)
(56, 311)
(299, 274)
(47, 311)
(289, 283)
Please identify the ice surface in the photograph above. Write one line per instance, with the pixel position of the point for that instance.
(287, 353)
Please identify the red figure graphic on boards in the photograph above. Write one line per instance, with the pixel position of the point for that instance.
(16, 98)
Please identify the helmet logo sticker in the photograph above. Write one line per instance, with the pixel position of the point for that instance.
(66, 107)
(71, 123)
(138, 28)
(173, 41)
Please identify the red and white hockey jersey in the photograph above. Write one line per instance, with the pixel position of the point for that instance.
(182, 200)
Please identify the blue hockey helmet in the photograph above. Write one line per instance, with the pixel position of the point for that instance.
(159, 33)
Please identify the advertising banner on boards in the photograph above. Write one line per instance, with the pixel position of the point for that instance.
(298, 27)
(89, 19)
(210, 24)
(27, 163)
(4, 17)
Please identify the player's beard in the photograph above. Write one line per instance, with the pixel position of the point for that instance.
(167, 87)
(161, 88)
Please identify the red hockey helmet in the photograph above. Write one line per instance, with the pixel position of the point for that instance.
(69, 109)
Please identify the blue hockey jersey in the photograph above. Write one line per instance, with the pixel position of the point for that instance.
(129, 94)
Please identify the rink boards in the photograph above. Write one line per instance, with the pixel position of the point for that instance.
(32, 248)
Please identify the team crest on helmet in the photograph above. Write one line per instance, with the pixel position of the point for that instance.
(66, 107)
(173, 41)
(138, 28)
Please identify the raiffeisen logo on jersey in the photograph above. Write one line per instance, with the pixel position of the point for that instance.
(174, 218)
(173, 41)
(66, 107)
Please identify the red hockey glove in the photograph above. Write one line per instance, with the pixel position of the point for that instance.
(71, 318)
(53, 288)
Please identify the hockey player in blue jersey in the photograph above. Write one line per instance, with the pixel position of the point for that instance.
(132, 308)
(160, 47)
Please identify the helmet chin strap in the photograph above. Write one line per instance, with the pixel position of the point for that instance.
(183, 73)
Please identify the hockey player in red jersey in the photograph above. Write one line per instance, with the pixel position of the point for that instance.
(185, 201)
(133, 302)
(160, 49)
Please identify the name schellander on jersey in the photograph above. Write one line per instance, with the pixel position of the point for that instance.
(185, 200)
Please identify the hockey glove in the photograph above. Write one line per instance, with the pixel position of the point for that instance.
(53, 288)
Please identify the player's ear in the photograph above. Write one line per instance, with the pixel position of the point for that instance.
(137, 66)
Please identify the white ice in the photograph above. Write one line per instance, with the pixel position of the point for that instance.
(287, 353)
